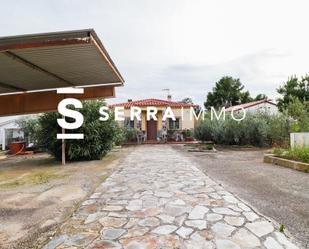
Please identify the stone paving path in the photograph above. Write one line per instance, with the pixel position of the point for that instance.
(159, 199)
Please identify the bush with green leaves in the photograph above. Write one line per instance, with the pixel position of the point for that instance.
(256, 129)
(299, 112)
(187, 133)
(129, 134)
(99, 136)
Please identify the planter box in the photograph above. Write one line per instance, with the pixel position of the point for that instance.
(270, 158)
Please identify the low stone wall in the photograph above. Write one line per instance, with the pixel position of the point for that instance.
(270, 158)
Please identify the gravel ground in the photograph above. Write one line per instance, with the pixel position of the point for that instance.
(31, 210)
(277, 192)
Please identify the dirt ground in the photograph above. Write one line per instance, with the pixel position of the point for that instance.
(277, 192)
(38, 193)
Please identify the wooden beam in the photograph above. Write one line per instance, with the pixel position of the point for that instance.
(38, 102)
(42, 44)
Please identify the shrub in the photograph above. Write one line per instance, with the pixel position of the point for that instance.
(278, 130)
(204, 131)
(99, 136)
(187, 133)
(30, 127)
(119, 137)
(256, 129)
(130, 134)
(299, 112)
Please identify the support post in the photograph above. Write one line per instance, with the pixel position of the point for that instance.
(63, 148)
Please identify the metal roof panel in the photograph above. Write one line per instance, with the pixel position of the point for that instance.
(54, 60)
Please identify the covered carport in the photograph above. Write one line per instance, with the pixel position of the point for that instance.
(33, 66)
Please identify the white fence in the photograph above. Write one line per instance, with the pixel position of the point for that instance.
(300, 139)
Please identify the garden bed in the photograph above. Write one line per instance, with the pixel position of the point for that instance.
(297, 165)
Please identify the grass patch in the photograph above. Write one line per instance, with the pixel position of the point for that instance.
(31, 178)
(42, 177)
(296, 154)
(12, 184)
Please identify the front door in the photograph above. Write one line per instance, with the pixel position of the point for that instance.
(151, 129)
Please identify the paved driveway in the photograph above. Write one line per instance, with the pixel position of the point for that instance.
(159, 199)
(277, 192)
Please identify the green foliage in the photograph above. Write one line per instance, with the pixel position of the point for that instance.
(187, 133)
(293, 88)
(281, 229)
(119, 137)
(99, 136)
(299, 111)
(260, 96)
(278, 129)
(187, 101)
(208, 146)
(256, 129)
(31, 128)
(227, 92)
(130, 134)
(297, 154)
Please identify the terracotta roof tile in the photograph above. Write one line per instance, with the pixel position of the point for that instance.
(153, 102)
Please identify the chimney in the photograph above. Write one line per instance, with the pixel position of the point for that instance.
(169, 97)
(129, 100)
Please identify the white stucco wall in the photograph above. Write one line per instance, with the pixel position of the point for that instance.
(186, 123)
(269, 108)
(299, 139)
(7, 123)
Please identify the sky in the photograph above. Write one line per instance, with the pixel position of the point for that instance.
(183, 45)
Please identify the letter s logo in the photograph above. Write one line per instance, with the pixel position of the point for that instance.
(79, 118)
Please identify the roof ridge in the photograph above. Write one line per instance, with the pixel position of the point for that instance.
(252, 103)
(154, 100)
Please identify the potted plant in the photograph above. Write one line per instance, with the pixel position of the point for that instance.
(188, 135)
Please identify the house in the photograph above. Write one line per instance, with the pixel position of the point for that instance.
(153, 127)
(264, 105)
(9, 131)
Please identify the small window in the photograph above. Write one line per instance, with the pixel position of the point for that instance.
(174, 125)
(129, 123)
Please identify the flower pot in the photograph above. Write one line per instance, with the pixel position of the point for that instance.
(17, 147)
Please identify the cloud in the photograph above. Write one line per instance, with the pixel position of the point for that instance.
(181, 44)
(189, 80)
